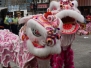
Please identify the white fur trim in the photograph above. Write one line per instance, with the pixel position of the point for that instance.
(25, 19)
(43, 52)
(30, 34)
(54, 4)
(33, 37)
(70, 13)
(60, 25)
(35, 25)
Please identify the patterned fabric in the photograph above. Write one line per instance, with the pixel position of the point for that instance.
(12, 49)
(9, 45)
(23, 55)
(51, 20)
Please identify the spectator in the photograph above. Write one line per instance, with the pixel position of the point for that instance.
(14, 25)
(19, 17)
(8, 20)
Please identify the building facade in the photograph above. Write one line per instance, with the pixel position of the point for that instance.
(39, 5)
(2, 3)
(85, 6)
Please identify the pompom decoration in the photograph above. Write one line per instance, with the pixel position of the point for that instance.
(50, 18)
(24, 37)
(47, 14)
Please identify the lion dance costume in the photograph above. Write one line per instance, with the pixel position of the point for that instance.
(67, 11)
(38, 39)
(41, 38)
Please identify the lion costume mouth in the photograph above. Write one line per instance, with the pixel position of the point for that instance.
(69, 25)
(69, 19)
(37, 45)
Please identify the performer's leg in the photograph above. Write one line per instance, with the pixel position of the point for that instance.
(57, 60)
(31, 64)
(8, 66)
(68, 58)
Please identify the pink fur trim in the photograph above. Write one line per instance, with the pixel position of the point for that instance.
(66, 57)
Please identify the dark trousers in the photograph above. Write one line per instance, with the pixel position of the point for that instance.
(7, 27)
(14, 28)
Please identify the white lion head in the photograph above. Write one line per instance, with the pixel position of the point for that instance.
(67, 11)
(43, 32)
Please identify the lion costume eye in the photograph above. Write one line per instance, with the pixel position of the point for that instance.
(61, 6)
(36, 33)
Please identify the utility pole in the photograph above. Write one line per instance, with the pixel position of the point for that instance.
(35, 6)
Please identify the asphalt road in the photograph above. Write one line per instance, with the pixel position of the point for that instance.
(82, 52)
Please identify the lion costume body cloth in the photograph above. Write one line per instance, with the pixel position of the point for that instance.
(67, 11)
(9, 46)
(12, 49)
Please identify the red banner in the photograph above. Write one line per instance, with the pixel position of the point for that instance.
(40, 6)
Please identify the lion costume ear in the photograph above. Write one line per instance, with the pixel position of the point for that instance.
(24, 19)
(54, 5)
(75, 3)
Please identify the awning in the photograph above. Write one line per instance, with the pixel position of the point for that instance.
(3, 8)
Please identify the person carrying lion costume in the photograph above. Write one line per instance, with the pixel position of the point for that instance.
(67, 11)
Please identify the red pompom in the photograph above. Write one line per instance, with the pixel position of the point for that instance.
(47, 13)
(24, 37)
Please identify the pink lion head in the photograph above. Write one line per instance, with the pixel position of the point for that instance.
(68, 12)
(42, 33)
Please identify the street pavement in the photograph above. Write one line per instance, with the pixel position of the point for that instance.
(82, 52)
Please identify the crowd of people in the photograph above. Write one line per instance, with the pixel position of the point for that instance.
(11, 22)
